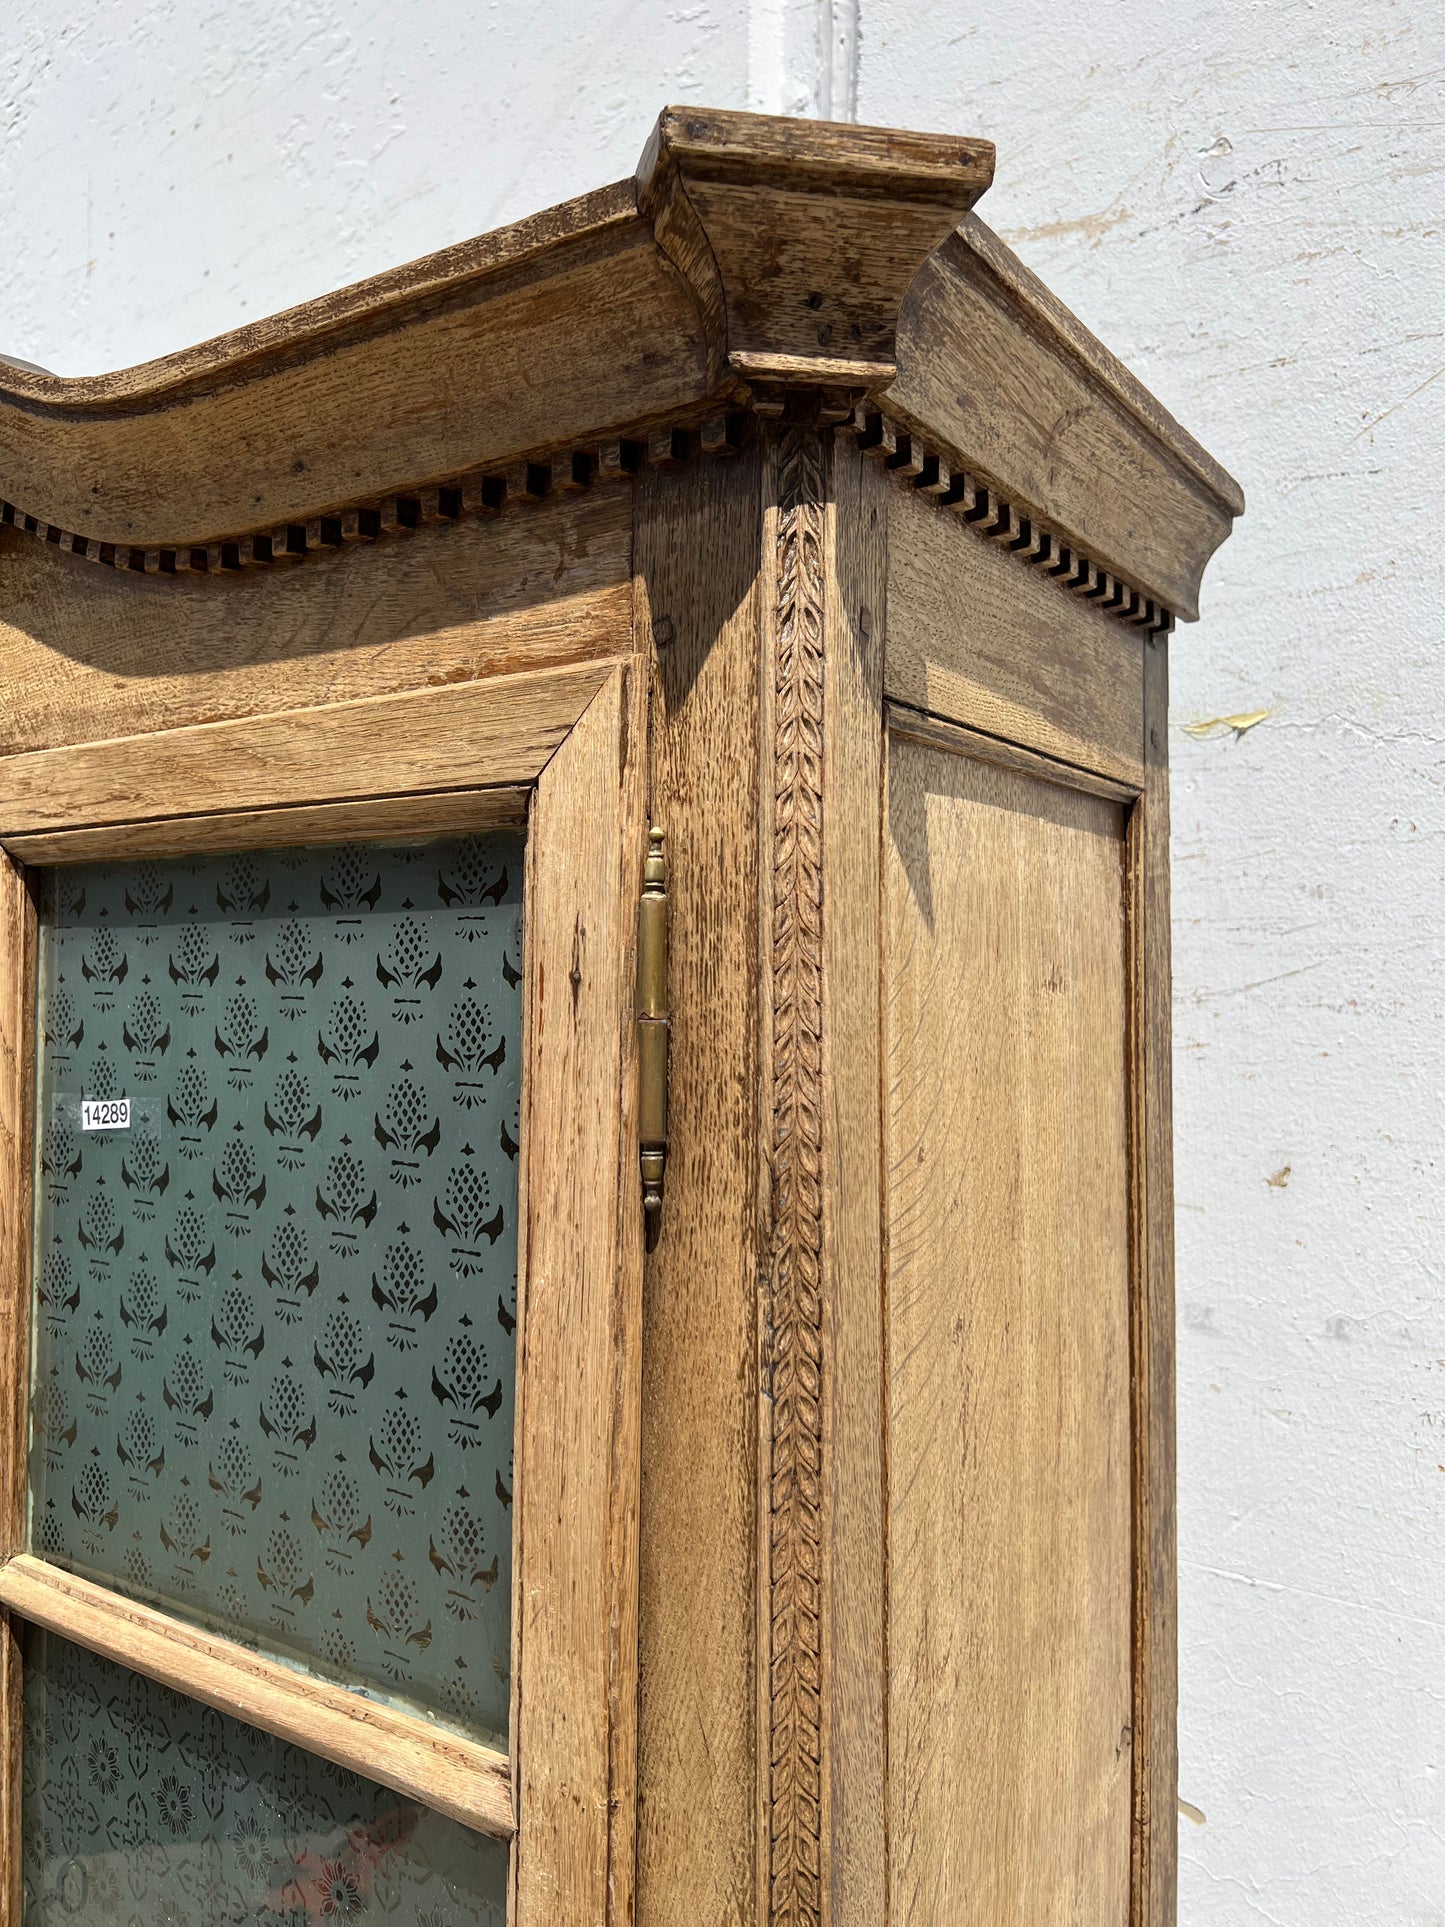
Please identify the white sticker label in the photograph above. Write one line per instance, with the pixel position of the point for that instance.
(105, 1114)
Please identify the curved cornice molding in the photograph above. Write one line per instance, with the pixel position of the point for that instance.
(484, 493)
(385, 303)
(773, 264)
(938, 476)
(941, 479)
(621, 308)
(560, 328)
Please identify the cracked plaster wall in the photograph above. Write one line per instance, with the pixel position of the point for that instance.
(1246, 202)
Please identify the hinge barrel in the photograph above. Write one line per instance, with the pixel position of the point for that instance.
(652, 1025)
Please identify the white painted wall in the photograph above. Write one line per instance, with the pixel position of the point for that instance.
(1247, 202)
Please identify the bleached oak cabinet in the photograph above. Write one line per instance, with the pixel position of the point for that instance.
(585, 1081)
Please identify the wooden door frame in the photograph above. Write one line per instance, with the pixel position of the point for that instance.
(559, 751)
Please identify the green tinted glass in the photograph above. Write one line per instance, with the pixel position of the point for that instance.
(141, 1806)
(274, 1358)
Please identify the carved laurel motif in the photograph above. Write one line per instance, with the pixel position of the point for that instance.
(796, 1497)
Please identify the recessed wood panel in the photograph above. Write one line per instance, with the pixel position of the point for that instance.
(1008, 1378)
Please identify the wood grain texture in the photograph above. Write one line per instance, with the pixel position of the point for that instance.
(1008, 1331)
(994, 368)
(17, 1031)
(87, 653)
(588, 318)
(977, 639)
(698, 535)
(1026, 534)
(760, 211)
(934, 733)
(798, 1807)
(519, 340)
(390, 818)
(624, 1505)
(502, 731)
(457, 1776)
(584, 848)
(852, 1192)
(1156, 1673)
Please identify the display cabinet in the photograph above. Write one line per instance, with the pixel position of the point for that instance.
(584, 1097)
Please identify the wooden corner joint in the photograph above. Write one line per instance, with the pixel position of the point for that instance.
(943, 480)
(799, 240)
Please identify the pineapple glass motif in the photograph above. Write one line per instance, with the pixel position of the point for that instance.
(274, 1317)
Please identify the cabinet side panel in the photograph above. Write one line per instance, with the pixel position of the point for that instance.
(977, 636)
(698, 533)
(1156, 1654)
(1008, 1414)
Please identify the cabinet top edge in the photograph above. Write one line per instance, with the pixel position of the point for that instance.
(724, 274)
(1049, 315)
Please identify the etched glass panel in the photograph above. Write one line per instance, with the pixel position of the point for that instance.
(142, 1806)
(274, 1309)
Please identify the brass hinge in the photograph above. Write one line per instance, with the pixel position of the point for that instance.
(652, 1026)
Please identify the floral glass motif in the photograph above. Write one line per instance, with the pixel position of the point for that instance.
(274, 1318)
(142, 1806)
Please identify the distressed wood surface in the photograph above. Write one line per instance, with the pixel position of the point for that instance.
(393, 818)
(857, 619)
(730, 240)
(717, 183)
(625, 1357)
(975, 637)
(1156, 1672)
(502, 731)
(461, 1778)
(995, 368)
(515, 341)
(1008, 1404)
(698, 535)
(87, 653)
(935, 733)
(570, 1547)
(917, 462)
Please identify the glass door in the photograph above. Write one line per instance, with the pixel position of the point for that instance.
(277, 1146)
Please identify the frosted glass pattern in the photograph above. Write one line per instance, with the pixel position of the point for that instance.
(143, 1807)
(274, 1355)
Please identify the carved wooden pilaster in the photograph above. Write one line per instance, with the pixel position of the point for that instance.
(794, 1615)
